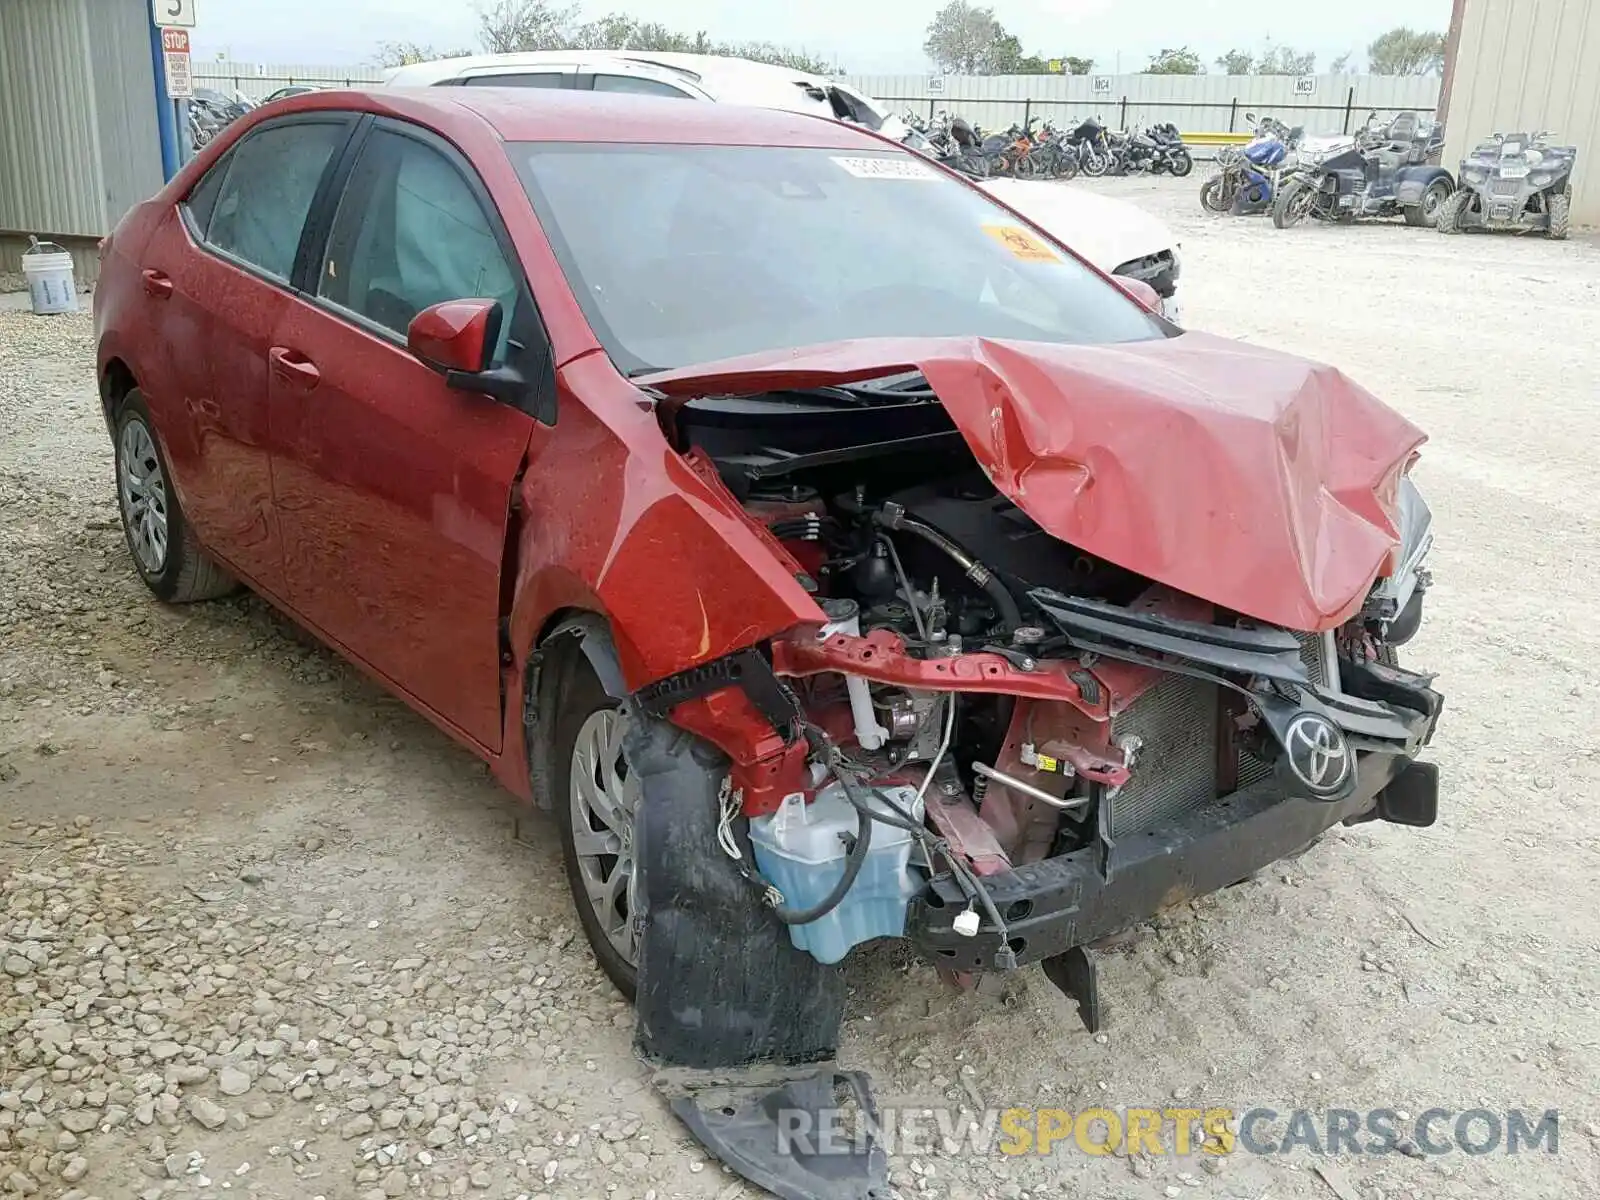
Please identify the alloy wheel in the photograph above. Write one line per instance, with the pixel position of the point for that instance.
(142, 489)
(604, 797)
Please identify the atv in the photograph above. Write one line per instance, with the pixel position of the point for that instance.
(1516, 182)
(1385, 173)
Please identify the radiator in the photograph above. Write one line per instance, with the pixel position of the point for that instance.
(1175, 767)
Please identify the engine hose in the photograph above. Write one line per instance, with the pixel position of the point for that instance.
(1004, 602)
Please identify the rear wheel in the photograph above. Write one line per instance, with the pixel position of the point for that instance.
(1026, 168)
(1181, 163)
(1450, 212)
(1560, 215)
(165, 551)
(1292, 204)
(1426, 213)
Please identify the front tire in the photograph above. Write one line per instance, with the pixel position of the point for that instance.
(1426, 213)
(1214, 194)
(1560, 216)
(1182, 163)
(1292, 204)
(165, 551)
(1450, 212)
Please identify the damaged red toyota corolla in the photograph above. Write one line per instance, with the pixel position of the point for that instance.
(836, 554)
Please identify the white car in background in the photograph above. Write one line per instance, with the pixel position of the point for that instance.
(1117, 237)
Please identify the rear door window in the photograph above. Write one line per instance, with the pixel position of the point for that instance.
(528, 79)
(261, 204)
(411, 233)
(638, 86)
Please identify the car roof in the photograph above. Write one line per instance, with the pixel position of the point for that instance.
(558, 115)
(696, 68)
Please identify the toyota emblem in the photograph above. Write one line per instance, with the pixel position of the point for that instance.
(1318, 754)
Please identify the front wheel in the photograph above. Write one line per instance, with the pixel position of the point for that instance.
(1095, 165)
(1026, 167)
(1560, 216)
(1449, 220)
(1215, 195)
(596, 797)
(1292, 204)
(1180, 163)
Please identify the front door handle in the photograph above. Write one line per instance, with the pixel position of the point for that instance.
(293, 367)
(157, 284)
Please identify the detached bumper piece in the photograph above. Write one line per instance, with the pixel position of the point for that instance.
(741, 1028)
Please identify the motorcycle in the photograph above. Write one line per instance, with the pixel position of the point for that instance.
(1248, 177)
(1092, 144)
(1158, 149)
(210, 112)
(1385, 173)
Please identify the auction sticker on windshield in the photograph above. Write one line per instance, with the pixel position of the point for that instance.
(886, 168)
(1021, 243)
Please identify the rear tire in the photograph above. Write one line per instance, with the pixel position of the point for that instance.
(164, 549)
(1182, 163)
(1066, 166)
(1560, 216)
(1426, 213)
(1450, 212)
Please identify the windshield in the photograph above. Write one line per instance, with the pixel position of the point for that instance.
(688, 254)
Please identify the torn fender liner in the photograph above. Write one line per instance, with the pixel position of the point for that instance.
(1260, 481)
(741, 1026)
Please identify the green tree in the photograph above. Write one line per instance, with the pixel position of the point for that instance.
(508, 26)
(1284, 60)
(1182, 61)
(1341, 64)
(403, 54)
(1077, 66)
(1237, 62)
(963, 39)
(1404, 51)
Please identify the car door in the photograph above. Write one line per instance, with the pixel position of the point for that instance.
(217, 271)
(391, 488)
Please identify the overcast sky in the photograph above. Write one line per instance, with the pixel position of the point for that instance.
(884, 36)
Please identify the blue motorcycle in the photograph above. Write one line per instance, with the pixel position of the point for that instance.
(1247, 176)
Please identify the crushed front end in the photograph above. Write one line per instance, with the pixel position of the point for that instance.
(996, 742)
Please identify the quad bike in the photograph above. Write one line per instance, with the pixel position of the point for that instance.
(1515, 182)
(1385, 173)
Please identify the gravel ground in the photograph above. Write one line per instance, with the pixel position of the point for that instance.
(264, 932)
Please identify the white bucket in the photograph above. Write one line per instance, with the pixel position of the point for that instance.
(48, 269)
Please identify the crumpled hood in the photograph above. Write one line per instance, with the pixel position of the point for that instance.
(1261, 482)
(1106, 231)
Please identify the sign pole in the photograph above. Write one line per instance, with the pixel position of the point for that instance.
(166, 123)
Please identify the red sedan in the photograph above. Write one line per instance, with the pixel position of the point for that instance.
(835, 553)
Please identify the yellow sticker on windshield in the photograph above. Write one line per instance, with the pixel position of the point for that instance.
(1021, 243)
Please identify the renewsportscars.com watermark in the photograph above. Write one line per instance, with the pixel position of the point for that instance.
(1163, 1131)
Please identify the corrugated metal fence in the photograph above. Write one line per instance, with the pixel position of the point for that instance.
(1194, 103)
(258, 80)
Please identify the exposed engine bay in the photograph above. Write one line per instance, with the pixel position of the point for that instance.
(878, 506)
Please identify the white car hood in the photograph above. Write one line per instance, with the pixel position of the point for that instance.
(1105, 231)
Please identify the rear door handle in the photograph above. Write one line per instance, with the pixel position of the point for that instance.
(293, 367)
(157, 284)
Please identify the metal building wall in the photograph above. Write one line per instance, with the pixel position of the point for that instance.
(78, 138)
(1525, 67)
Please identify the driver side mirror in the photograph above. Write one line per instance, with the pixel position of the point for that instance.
(457, 337)
(1142, 294)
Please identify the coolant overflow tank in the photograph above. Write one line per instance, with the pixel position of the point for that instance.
(801, 850)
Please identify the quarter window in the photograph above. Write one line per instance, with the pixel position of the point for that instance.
(261, 204)
(410, 233)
